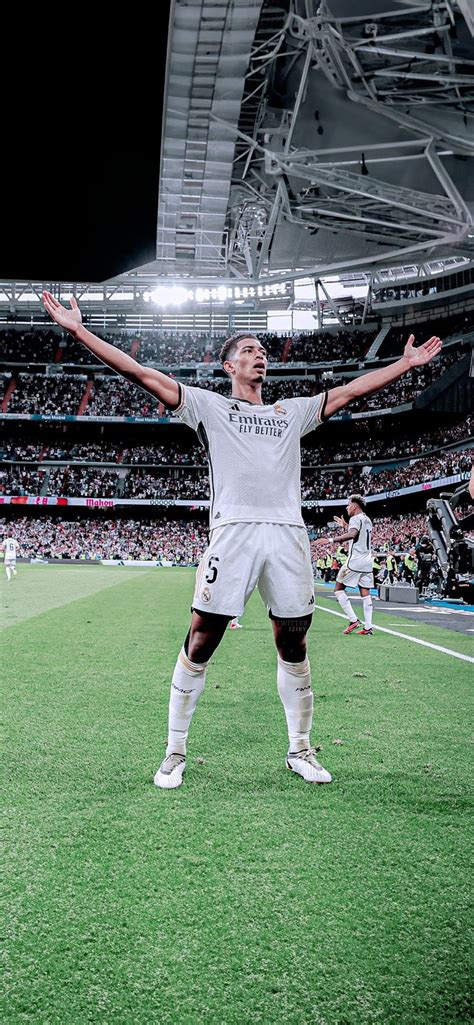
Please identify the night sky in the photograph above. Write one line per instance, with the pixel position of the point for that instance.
(82, 107)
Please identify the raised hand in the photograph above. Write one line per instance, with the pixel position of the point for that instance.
(341, 521)
(68, 319)
(424, 353)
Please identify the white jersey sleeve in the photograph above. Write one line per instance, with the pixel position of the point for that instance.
(311, 411)
(194, 407)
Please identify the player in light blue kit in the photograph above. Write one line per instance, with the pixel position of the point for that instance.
(257, 534)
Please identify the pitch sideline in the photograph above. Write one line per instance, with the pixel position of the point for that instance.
(406, 637)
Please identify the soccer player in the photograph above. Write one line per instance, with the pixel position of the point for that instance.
(257, 534)
(10, 548)
(357, 571)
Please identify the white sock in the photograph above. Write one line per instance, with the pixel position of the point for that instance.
(346, 606)
(187, 686)
(8, 572)
(367, 607)
(294, 688)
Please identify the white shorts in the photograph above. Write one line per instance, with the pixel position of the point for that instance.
(10, 562)
(274, 557)
(355, 578)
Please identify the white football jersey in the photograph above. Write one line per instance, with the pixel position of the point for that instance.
(254, 453)
(10, 547)
(360, 554)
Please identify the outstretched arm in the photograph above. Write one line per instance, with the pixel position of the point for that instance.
(153, 381)
(378, 379)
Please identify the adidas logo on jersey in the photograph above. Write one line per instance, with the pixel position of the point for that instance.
(236, 407)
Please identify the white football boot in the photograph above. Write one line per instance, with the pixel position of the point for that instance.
(170, 773)
(305, 765)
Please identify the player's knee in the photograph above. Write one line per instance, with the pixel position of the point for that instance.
(204, 636)
(290, 640)
(199, 647)
(292, 651)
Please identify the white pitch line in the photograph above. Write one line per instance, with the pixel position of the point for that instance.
(406, 637)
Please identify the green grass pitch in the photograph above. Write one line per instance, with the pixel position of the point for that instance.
(246, 896)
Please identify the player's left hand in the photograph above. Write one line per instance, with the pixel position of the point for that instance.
(424, 353)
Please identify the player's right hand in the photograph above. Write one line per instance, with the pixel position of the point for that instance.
(68, 319)
(340, 520)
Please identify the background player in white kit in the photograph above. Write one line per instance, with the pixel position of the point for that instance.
(257, 536)
(10, 547)
(357, 571)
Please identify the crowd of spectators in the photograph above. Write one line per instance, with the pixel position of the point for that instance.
(361, 444)
(21, 480)
(328, 346)
(34, 346)
(407, 388)
(36, 393)
(364, 445)
(112, 396)
(312, 346)
(167, 348)
(445, 328)
(82, 482)
(140, 484)
(176, 454)
(172, 348)
(316, 484)
(45, 345)
(180, 542)
(177, 542)
(324, 484)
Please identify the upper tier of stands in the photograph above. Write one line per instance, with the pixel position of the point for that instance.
(170, 349)
(110, 395)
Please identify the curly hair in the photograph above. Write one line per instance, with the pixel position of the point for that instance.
(230, 344)
(359, 499)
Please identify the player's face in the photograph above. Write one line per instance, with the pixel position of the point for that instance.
(250, 361)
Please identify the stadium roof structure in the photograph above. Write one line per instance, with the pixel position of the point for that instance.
(303, 140)
(302, 137)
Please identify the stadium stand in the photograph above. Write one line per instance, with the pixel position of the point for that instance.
(152, 458)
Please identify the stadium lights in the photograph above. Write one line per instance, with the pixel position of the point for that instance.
(178, 295)
(169, 296)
